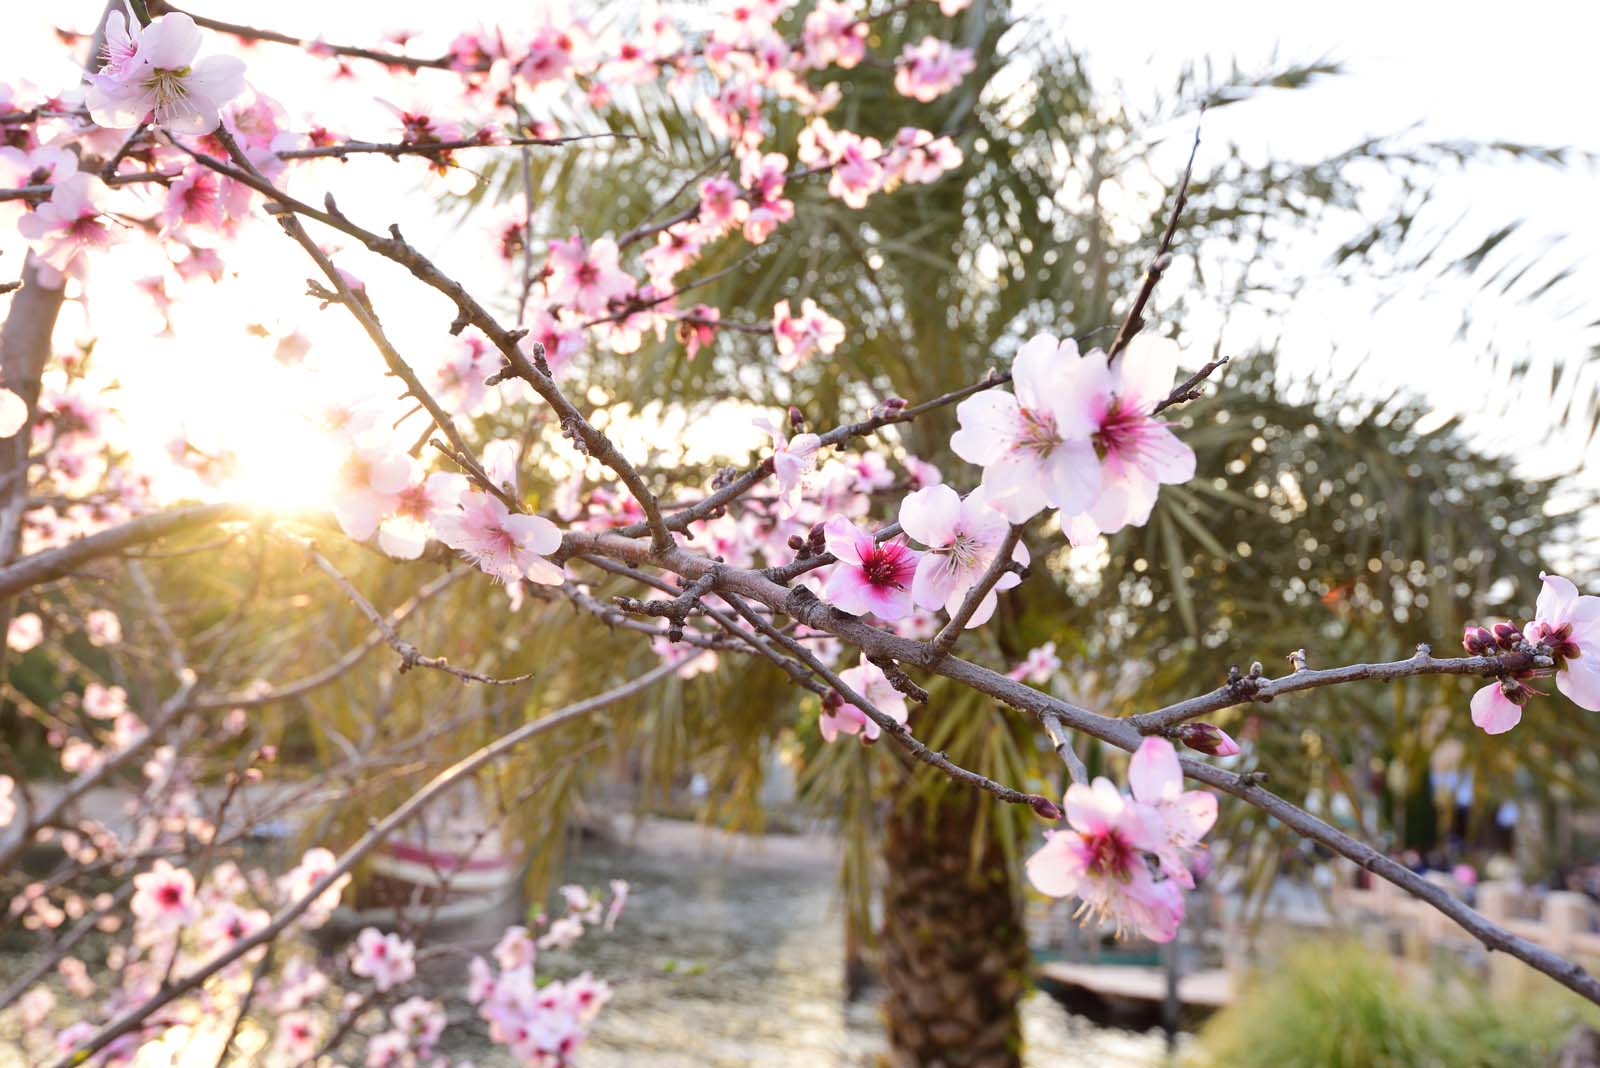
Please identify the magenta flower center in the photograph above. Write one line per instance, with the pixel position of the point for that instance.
(1120, 430)
(87, 229)
(886, 565)
(1559, 640)
(1108, 854)
(170, 895)
(500, 540)
(413, 502)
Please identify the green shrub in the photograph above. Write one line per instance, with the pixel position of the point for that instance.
(1342, 1005)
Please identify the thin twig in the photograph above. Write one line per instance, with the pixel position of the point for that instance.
(945, 640)
(440, 784)
(1134, 321)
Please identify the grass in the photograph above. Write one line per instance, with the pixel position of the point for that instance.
(1343, 1005)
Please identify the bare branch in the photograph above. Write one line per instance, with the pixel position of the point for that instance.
(1134, 322)
(1260, 689)
(945, 640)
(440, 784)
(51, 564)
(410, 655)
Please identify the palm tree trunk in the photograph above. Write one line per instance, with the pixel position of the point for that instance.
(954, 949)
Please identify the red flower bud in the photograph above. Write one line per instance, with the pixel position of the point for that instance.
(1046, 808)
(1507, 636)
(796, 419)
(831, 700)
(1479, 641)
(1206, 738)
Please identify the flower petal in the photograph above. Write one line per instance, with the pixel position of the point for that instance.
(1580, 680)
(1493, 711)
(930, 516)
(1153, 773)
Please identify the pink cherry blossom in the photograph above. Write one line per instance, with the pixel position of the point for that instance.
(1137, 452)
(1035, 445)
(24, 632)
(163, 897)
(420, 1020)
(299, 881)
(764, 206)
(1568, 624)
(931, 68)
(676, 248)
(963, 535)
(836, 34)
(68, 224)
(121, 47)
(8, 807)
(871, 576)
(1102, 861)
(801, 336)
(460, 377)
(919, 157)
(698, 328)
(1039, 666)
(298, 1036)
(369, 480)
(549, 55)
(45, 165)
(868, 680)
(692, 660)
(1156, 779)
(231, 923)
(793, 461)
(563, 933)
(587, 276)
(516, 949)
(506, 545)
(387, 959)
(387, 1049)
(1497, 707)
(858, 170)
(719, 206)
(561, 335)
(104, 702)
(103, 627)
(163, 78)
(194, 200)
(404, 533)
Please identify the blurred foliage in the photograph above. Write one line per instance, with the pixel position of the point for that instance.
(1352, 527)
(1344, 1006)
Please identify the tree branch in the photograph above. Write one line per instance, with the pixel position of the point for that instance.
(440, 784)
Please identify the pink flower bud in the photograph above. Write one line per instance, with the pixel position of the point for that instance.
(1479, 641)
(1046, 808)
(1507, 636)
(1207, 738)
(796, 419)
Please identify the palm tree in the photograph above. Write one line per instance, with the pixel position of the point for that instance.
(1317, 518)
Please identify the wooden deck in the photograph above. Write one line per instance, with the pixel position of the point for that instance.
(1210, 989)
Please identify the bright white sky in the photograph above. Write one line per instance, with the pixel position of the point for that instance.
(1465, 70)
